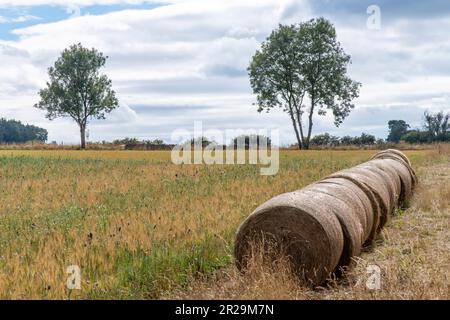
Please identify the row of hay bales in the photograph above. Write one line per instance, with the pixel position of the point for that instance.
(322, 226)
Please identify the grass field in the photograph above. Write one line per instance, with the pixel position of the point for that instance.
(140, 227)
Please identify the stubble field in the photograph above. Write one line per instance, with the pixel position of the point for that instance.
(140, 227)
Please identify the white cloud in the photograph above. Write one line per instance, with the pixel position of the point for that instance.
(78, 3)
(21, 18)
(179, 54)
(167, 61)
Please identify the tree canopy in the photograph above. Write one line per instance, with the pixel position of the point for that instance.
(77, 89)
(328, 140)
(302, 69)
(397, 128)
(437, 124)
(436, 128)
(12, 131)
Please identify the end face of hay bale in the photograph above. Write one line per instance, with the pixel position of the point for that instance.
(307, 233)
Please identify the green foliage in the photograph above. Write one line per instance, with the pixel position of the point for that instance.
(203, 141)
(127, 141)
(12, 131)
(416, 136)
(367, 139)
(251, 140)
(347, 140)
(397, 128)
(325, 140)
(328, 140)
(77, 89)
(134, 143)
(436, 129)
(299, 62)
(437, 124)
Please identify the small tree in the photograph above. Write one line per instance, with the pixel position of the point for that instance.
(397, 128)
(437, 124)
(77, 89)
(347, 140)
(367, 139)
(303, 68)
(417, 136)
(325, 140)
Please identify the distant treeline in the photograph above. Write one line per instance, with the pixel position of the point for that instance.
(418, 136)
(13, 131)
(436, 128)
(136, 144)
(328, 140)
(244, 141)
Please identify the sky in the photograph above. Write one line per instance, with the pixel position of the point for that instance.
(173, 62)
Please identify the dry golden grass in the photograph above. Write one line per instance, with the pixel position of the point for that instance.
(140, 227)
(412, 253)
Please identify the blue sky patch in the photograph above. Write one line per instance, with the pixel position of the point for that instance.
(25, 16)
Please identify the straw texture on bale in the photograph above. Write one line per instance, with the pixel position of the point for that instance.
(373, 208)
(387, 180)
(396, 152)
(304, 226)
(352, 194)
(399, 157)
(393, 175)
(406, 180)
(351, 227)
(322, 226)
(376, 186)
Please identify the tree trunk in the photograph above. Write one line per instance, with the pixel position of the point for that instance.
(83, 136)
(299, 142)
(310, 123)
(300, 126)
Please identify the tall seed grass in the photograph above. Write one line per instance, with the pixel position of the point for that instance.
(137, 225)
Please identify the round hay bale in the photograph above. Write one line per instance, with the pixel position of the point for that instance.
(304, 228)
(354, 196)
(396, 157)
(396, 152)
(375, 184)
(406, 181)
(381, 187)
(393, 175)
(387, 180)
(348, 218)
(346, 195)
(373, 210)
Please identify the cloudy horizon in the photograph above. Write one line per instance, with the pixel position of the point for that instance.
(177, 61)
